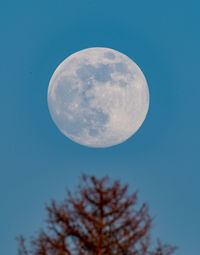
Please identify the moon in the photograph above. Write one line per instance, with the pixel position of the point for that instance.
(98, 97)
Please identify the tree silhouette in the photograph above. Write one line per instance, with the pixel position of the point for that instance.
(98, 219)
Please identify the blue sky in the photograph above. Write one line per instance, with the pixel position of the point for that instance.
(161, 160)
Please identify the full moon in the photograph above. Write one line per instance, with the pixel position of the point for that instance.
(98, 97)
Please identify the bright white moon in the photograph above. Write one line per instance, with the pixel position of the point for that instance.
(98, 97)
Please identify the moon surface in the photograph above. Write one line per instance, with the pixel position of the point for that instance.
(98, 97)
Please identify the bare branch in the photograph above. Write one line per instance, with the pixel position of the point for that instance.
(100, 218)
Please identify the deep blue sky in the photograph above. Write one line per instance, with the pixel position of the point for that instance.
(161, 160)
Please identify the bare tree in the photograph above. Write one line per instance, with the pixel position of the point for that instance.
(100, 218)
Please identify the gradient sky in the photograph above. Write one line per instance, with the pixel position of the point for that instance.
(161, 160)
